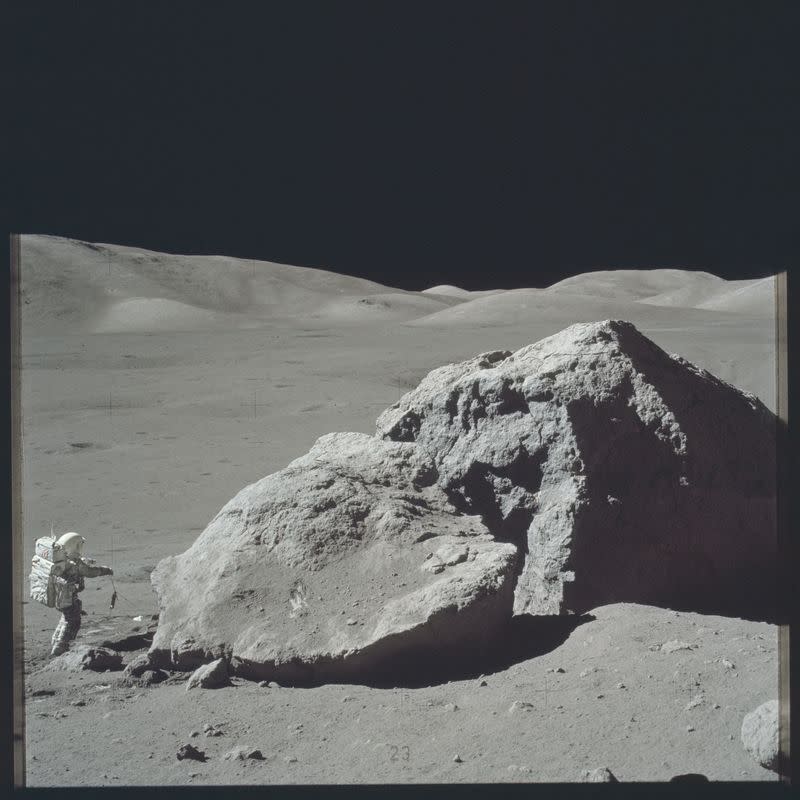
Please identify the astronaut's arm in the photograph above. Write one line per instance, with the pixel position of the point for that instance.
(88, 569)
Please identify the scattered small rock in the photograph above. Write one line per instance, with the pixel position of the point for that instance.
(189, 751)
(760, 735)
(621, 686)
(689, 728)
(290, 759)
(263, 684)
(78, 703)
(210, 676)
(715, 706)
(243, 754)
(43, 693)
(351, 621)
(599, 775)
(674, 645)
(457, 759)
(451, 707)
(587, 671)
(483, 682)
(194, 734)
(727, 664)
(519, 705)
(697, 700)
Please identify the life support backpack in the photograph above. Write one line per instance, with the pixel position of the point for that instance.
(48, 586)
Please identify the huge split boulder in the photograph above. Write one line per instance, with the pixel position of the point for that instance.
(350, 558)
(624, 474)
(588, 468)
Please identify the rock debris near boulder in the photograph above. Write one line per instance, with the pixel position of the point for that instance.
(210, 676)
(760, 735)
(82, 657)
(588, 468)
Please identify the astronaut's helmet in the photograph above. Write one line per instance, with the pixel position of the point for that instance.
(71, 543)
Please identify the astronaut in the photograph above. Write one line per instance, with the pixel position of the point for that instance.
(75, 569)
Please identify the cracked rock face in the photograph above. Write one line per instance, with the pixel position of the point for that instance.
(622, 473)
(322, 570)
(588, 468)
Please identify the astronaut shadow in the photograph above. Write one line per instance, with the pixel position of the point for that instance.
(521, 639)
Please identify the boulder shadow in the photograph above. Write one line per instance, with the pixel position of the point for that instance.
(520, 639)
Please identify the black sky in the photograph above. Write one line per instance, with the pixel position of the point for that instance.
(493, 144)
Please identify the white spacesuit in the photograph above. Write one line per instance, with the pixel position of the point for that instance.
(75, 569)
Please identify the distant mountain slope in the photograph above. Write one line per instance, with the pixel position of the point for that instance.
(640, 296)
(73, 285)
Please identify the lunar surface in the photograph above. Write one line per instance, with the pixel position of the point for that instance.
(156, 387)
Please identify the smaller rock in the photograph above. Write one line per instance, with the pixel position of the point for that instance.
(451, 707)
(621, 686)
(689, 728)
(263, 684)
(194, 734)
(727, 664)
(519, 705)
(78, 703)
(697, 700)
(482, 682)
(82, 657)
(715, 706)
(189, 751)
(587, 671)
(559, 670)
(208, 727)
(760, 735)
(243, 754)
(599, 775)
(210, 676)
(674, 645)
(290, 759)
(457, 758)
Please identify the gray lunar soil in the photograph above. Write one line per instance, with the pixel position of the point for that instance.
(155, 388)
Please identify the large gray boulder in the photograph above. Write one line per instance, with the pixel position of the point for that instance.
(622, 473)
(588, 468)
(350, 558)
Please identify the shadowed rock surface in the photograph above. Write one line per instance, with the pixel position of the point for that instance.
(623, 474)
